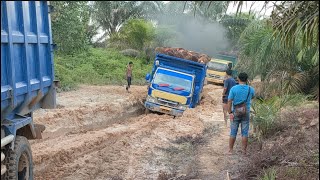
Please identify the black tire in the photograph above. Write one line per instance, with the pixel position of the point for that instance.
(19, 161)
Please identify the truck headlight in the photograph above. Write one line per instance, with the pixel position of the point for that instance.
(151, 99)
(182, 107)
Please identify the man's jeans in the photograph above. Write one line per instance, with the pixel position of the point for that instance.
(234, 125)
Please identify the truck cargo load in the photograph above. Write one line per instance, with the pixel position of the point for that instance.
(184, 54)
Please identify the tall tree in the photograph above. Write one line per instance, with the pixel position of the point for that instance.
(211, 10)
(235, 26)
(293, 19)
(137, 33)
(69, 22)
(111, 15)
(262, 54)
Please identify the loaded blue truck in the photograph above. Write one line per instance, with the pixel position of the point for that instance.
(27, 81)
(175, 84)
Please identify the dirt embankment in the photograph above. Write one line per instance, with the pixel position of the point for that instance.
(86, 139)
(290, 150)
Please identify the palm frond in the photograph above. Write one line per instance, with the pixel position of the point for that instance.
(291, 19)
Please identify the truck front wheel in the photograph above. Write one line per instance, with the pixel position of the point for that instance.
(19, 161)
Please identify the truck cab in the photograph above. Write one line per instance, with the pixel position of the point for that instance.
(216, 72)
(175, 84)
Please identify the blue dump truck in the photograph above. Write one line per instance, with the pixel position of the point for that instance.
(27, 81)
(175, 84)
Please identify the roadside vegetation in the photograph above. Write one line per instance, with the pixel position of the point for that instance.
(286, 143)
(98, 66)
(280, 52)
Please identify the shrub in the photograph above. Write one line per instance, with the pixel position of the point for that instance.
(130, 52)
(98, 67)
(65, 77)
(266, 112)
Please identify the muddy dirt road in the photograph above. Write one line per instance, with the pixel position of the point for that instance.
(101, 132)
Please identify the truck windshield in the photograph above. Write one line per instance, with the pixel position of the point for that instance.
(173, 80)
(217, 66)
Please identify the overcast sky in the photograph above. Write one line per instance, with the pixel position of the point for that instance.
(256, 7)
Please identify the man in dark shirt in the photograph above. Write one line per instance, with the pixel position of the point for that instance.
(229, 82)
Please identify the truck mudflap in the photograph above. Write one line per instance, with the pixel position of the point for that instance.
(163, 109)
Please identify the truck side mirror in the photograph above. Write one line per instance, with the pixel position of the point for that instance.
(147, 77)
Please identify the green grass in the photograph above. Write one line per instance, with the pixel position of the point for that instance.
(98, 67)
(269, 174)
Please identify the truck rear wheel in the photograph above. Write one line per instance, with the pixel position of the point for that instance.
(19, 161)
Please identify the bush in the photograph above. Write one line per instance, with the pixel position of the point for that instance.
(130, 52)
(265, 116)
(65, 77)
(98, 67)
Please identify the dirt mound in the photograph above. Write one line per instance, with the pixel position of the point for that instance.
(90, 105)
(293, 152)
(211, 97)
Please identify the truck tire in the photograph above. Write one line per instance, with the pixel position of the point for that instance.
(19, 161)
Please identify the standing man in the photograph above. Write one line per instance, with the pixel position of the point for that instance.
(240, 94)
(229, 82)
(129, 75)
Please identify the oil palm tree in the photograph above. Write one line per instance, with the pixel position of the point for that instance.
(263, 54)
(291, 19)
(287, 49)
(111, 15)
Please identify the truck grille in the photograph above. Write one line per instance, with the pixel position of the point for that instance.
(166, 102)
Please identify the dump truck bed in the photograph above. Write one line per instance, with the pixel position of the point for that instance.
(26, 58)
